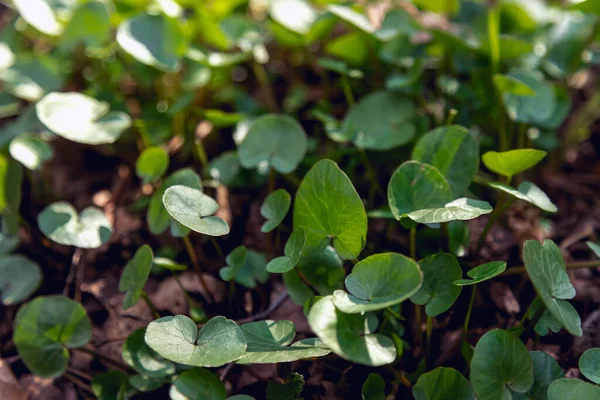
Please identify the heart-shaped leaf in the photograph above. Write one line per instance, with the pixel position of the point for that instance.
(19, 278)
(575, 389)
(373, 388)
(500, 363)
(533, 109)
(152, 164)
(90, 25)
(415, 186)
(177, 338)
(377, 282)
(274, 209)
(153, 40)
(80, 118)
(197, 384)
(90, 229)
(350, 336)
(454, 152)
(482, 273)
(193, 209)
(512, 162)
(293, 253)
(41, 14)
(139, 356)
(31, 151)
(276, 140)
(235, 261)
(458, 210)
(530, 193)
(545, 371)
(380, 121)
(549, 277)
(252, 272)
(290, 389)
(328, 207)
(443, 383)
(30, 77)
(589, 364)
(438, 291)
(44, 330)
(325, 272)
(268, 343)
(135, 275)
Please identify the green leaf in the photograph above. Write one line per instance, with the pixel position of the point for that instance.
(194, 210)
(500, 363)
(177, 338)
(350, 336)
(276, 140)
(293, 251)
(135, 275)
(438, 291)
(380, 121)
(482, 273)
(572, 389)
(589, 364)
(169, 264)
(268, 343)
(198, 384)
(146, 384)
(153, 40)
(8, 242)
(60, 222)
(44, 330)
(545, 371)
(19, 278)
(512, 85)
(458, 210)
(529, 192)
(443, 383)
(31, 151)
(152, 164)
(459, 238)
(373, 388)
(377, 282)
(512, 162)
(586, 6)
(225, 168)
(90, 25)
(41, 15)
(274, 209)
(549, 277)
(439, 6)
(351, 47)
(80, 118)
(595, 247)
(139, 356)
(415, 186)
(325, 272)
(531, 109)
(340, 67)
(328, 207)
(253, 271)
(290, 390)
(30, 77)
(454, 152)
(235, 261)
(11, 177)
(351, 17)
(410, 77)
(111, 385)
(295, 15)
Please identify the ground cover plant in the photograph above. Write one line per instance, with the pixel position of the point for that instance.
(293, 199)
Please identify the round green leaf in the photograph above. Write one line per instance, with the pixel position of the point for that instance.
(235, 261)
(458, 210)
(589, 364)
(268, 343)
(325, 272)
(531, 109)
(350, 47)
(225, 168)
(152, 163)
(198, 384)
(252, 272)
(153, 40)
(510, 163)
(139, 356)
(274, 209)
(193, 209)
(31, 151)
(177, 338)
(88, 230)
(545, 371)
(373, 388)
(135, 275)
(111, 385)
(572, 389)
(328, 207)
(547, 271)
(530, 193)
(30, 77)
(19, 278)
(443, 383)
(380, 121)
(276, 140)
(415, 186)
(438, 291)
(377, 282)
(500, 363)
(45, 328)
(293, 253)
(41, 14)
(350, 336)
(454, 152)
(482, 273)
(90, 25)
(80, 118)
(295, 15)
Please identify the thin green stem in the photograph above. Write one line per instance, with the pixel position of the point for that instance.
(200, 152)
(372, 175)
(150, 305)
(451, 115)
(217, 248)
(522, 136)
(428, 333)
(469, 311)
(263, 80)
(347, 90)
(196, 264)
(413, 243)
(574, 265)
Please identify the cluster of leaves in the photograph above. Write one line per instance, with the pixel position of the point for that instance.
(187, 60)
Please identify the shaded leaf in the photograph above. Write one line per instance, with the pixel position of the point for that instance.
(111, 385)
(152, 163)
(275, 208)
(197, 384)
(19, 278)
(438, 291)
(293, 252)
(139, 356)
(482, 273)
(373, 388)
(443, 383)
(589, 364)
(529, 192)
(30, 77)
(135, 275)
(290, 390)
(572, 389)
(235, 261)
